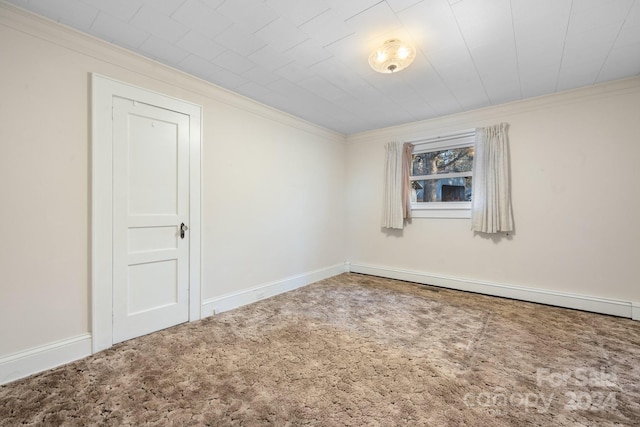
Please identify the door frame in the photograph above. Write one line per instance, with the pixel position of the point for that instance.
(103, 90)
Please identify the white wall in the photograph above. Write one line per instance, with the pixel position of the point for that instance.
(274, 204)
(575, 198)
(273, 185)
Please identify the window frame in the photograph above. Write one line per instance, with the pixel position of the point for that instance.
(442, 209)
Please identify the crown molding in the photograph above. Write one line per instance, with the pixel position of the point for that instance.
(90, 46)
(488, 115)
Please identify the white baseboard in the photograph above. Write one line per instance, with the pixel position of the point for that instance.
(560, 299)
(38, 359)
(42, 358)
(228, 302)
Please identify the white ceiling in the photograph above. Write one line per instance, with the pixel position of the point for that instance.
(309, 57)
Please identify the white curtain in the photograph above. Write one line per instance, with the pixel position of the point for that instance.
(392, 211)
(491, 201)
(407, 154)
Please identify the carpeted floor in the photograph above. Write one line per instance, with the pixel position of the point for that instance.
(354, 350)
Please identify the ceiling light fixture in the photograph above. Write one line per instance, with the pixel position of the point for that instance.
(392, 56)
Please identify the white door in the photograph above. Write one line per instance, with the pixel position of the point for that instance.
(150, 218)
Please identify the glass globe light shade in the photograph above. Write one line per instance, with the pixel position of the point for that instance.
(392, 56)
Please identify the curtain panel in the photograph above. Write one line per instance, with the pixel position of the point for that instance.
(491, 201)
(392, 202)
(407, 152)
(397, 187)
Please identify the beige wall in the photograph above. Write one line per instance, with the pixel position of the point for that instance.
(273, 200)
(575, 198)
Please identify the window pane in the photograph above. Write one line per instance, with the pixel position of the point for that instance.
(444, 161)
(442, 190)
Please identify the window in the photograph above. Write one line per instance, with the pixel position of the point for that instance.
(441, 176)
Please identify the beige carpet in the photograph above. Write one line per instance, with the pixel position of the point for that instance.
(354, 350)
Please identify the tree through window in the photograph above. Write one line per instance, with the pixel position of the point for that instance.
(442, 175)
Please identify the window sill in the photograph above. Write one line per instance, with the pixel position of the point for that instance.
(441, 210)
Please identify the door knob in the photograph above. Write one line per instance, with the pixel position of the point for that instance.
(183, 228)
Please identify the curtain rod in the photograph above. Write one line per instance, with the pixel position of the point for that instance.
(458, 135)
